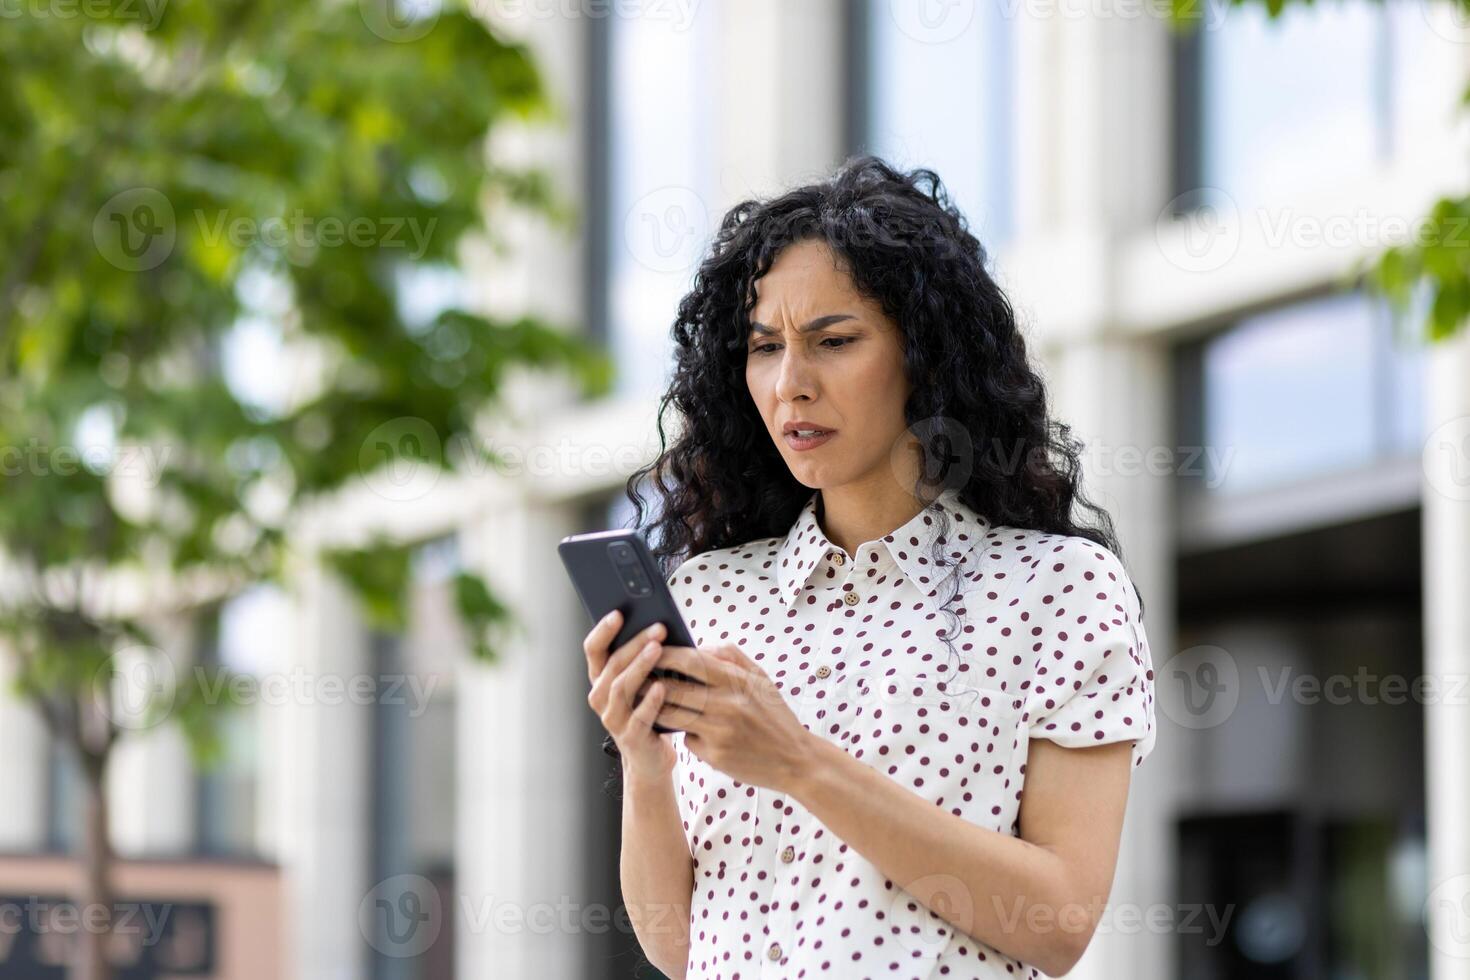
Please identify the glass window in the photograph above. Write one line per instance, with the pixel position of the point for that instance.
(236, 643)
(661, 180)
(65, 797)
(939, 92)
(1276, 93)
(1319, 386)
(1317, 97)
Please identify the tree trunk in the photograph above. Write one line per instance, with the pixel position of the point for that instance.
(90, 954)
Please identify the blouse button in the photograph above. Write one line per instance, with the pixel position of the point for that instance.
(824, 671)
(774, 952)
(851, 598)
(788, 854)
(839, 558)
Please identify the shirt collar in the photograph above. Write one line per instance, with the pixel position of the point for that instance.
(805, 547)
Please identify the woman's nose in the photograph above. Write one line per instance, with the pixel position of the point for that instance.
(794, 379)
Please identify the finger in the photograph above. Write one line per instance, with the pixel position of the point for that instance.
(675, 716)
(700, 665)
(627, 652)
(731, 653)
(634, 644)
(695, 698)
(729, 670)
(648, 709)
(595, 644)
(622, 694)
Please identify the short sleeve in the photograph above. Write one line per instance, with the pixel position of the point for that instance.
(1094, 680)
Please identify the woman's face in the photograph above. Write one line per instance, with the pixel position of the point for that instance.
(823, 355)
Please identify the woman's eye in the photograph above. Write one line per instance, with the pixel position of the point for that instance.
(838, 342)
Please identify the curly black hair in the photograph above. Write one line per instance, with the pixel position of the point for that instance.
(722, 481)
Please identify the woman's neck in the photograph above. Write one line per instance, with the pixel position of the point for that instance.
(852, 516)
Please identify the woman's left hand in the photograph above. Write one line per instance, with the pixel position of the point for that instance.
(738, 721)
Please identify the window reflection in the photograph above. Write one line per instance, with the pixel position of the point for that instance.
(243, 637)
(1311, 388)
(662, 191)
(940, 94)
(1272, 93)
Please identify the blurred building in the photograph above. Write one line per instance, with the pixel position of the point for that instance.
(1175, 220)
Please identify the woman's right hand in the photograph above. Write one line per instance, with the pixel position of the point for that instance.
(616, 679)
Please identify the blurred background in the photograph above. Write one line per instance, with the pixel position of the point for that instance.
(323, 322)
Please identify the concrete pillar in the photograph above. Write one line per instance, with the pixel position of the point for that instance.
(521, 782)
(518, 791)
(1446, 527)
(780, 125)
(1115, 395)
(325, 843)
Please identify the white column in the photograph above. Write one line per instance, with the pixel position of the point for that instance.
(325, 844)
(1115, 395)
(780, 125)
(23, 767)
(521, 760)
(520, 789)
(151, 782)
(540, 272)
(1104, 83)
(1446, 526)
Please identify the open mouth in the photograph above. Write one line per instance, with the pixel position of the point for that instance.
(804, 438)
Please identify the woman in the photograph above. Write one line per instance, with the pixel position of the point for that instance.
(923, 686)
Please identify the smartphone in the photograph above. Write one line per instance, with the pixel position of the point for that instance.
(615, 570)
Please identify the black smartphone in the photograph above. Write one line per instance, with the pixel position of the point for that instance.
(615, 570)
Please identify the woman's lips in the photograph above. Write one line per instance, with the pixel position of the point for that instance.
(802, 443)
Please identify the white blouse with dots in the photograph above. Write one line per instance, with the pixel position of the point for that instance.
(1050, 645)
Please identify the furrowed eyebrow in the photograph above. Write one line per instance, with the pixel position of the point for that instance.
(817, 324)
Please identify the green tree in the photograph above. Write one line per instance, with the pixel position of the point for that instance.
(171, 170)
(1438, 262)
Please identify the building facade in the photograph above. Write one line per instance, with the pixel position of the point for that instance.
(1176, 220)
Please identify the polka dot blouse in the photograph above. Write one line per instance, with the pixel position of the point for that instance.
(1047, 643)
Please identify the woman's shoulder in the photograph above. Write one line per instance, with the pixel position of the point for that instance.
(1074, 565)
(1046, 563)
(757, 556)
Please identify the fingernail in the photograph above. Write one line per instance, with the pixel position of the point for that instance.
(609, 617)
